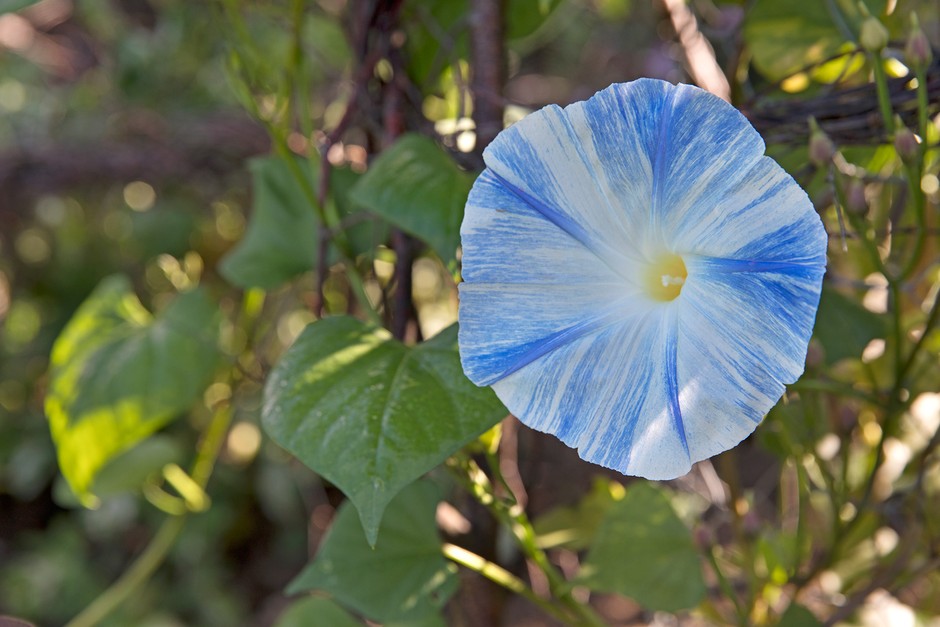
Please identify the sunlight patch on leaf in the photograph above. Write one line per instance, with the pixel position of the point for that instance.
(117, 375)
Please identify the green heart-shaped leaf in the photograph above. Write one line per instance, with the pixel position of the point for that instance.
(283, 237)
(370, 414)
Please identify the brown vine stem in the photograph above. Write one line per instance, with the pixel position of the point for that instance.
(488, 68)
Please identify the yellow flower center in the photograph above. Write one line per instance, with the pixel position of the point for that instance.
(665, 277)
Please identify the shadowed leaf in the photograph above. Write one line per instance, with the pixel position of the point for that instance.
(642, 550)
(405, 575)
(417, 187)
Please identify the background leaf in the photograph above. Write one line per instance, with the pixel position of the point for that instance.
(282, 239)
(798, 616)
(9, 6)
(844, 327)
(117, 375)
(574, 527)
(438, 31)
(642, 550)
(370, 414)
(316, 612)
(416, 186)
(404, 577)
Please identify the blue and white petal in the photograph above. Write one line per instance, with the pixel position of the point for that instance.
(742, 336)
(764, 217)
(528, 284)
(583, 173)
(610, 394)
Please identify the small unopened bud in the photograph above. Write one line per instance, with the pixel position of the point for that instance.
(815, 354)
(905, 143)
(873, 35)
(917, 51)
(855, 197)
(821, 148)
(703, 536)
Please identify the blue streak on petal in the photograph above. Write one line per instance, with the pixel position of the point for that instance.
(802, 240)
(670, 370)
(621, 123)
(548, 156)
(767, 316)
(551, 214)
(660, 164)
(616, 260)
(519, 356)
(506, 240)
(711, 148)
(765, 216)
(533, 320)
(806, 269)
(606, 395)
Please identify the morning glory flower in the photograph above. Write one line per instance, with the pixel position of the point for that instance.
(638, 278)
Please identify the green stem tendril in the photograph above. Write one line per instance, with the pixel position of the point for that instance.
(499, 575)
(513, 516)
(884, 98)
(207, 452)
(155, 553)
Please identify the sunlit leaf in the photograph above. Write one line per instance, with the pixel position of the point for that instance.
(405, 575)
(642, 550)
(841, 67)
(118, 374)
(370, 414)
(785, 37)
(575, 527)
(417, 187)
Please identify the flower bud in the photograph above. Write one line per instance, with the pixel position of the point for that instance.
(873, 35)
(821, 148)
(905, 143)
(917, 51)
(704, 537)
(815, 354)
(855, 197)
